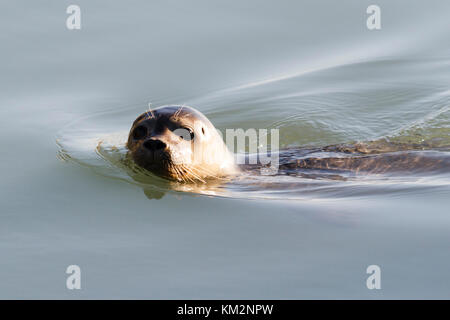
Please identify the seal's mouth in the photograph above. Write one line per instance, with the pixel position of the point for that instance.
(155, 161)
(154, 153)
(159, 162)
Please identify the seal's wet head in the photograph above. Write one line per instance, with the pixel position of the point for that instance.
(180, 143)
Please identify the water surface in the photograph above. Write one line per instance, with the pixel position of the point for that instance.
(309, 68)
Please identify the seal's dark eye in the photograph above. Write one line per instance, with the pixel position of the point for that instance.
(139, 133)
(185, 133)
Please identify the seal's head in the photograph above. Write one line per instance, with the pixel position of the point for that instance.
(179, 143)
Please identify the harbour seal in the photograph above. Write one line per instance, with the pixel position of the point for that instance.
(179, 143)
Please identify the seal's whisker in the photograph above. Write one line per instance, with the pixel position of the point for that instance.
(204, 171)
(182, 176)
(178, 111)
(195, 175)
(207, 171)
(176, 172)
(150, 110)
(188, 177)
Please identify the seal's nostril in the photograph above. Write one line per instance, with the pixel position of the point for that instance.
(154, 145)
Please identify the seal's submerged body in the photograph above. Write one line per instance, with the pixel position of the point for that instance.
(180, 143)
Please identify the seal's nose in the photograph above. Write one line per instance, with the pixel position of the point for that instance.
(154, 145)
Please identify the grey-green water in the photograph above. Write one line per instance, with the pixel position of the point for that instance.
(309, 68)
